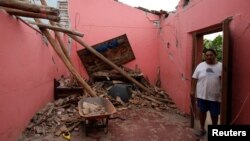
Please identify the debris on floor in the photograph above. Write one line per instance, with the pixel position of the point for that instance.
(56, 117)
(140, 124)
(62, 115)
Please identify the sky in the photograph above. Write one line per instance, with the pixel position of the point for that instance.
(167, 5)
(212, 36)
(52, 3)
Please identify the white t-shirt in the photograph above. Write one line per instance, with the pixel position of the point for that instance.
(209, 83)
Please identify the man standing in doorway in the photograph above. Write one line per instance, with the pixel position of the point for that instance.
(206, 84)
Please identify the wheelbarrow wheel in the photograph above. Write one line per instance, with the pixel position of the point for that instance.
(105, 129)
(88, 127)
(86, 132)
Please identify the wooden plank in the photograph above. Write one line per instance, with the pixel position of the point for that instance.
(62, 53)
(56, 28)
(226, 77)
(68, 63)
(37, 30)
(17, 12)
(65, 60)
(192, 102)
(29, 7)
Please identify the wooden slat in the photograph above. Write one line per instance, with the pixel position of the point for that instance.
(58, 37)
(56, 28)
(30, 14)
(29, 7)
(192, 102)
(226, 93)
(64, 57)
(68, 63)
(37, 30)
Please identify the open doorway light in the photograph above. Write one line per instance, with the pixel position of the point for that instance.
(167, 5)
(214, 41)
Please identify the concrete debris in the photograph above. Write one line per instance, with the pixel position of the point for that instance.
(67, 82)
(62, 115)
(56, 117)
(90, 109)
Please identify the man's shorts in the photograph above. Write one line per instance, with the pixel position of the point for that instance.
(206, 105)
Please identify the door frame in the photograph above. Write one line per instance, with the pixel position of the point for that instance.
(225, 116)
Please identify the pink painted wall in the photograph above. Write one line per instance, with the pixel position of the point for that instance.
(175, 58)
(101, 20)
(27, 72)
(27, 68)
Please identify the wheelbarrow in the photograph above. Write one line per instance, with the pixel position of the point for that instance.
(96, 120)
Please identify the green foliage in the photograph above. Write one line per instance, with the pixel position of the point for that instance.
(215, 44)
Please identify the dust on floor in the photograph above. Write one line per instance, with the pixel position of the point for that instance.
(138, 124)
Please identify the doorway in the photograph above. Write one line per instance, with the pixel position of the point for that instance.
(200, 39)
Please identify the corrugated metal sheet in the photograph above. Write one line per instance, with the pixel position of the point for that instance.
(62, 5)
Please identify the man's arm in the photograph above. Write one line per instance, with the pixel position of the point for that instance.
(193, 87)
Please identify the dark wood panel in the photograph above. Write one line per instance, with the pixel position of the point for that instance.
(117, 50)
(226, 104)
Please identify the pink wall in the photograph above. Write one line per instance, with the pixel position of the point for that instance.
(171, 47)
(27, 68)
(101, 20)
(175, 58)
(27, 72)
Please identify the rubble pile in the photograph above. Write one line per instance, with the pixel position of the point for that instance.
(157, 99)
(62, 115)
(56, 117)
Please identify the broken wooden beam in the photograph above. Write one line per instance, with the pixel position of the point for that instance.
(37, 30)
(22, 13)
(151, 99)
(58, 37)
(65, 60)
(68, 63)
(63, 47)
(29, 7)
(106, 60)
(113, 65)
(56, 28)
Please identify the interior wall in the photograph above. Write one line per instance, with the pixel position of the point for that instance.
(106, 19)
(28, 67)
(176, 49)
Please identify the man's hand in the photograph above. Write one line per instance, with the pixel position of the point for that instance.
(192, 96)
